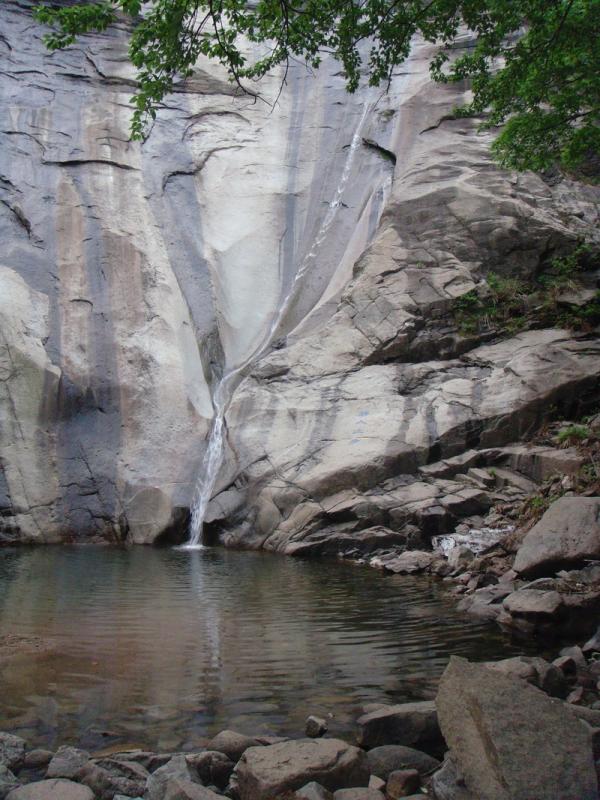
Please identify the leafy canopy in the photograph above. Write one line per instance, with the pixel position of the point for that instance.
(534, 68)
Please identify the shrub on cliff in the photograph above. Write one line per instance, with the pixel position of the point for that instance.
(534, 67)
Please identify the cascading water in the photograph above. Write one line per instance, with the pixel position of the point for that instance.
(213, 458)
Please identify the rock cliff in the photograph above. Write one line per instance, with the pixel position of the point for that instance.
(133, 276)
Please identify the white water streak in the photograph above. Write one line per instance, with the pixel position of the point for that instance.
(213, 457)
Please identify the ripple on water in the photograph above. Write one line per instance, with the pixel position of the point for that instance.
(166, 647)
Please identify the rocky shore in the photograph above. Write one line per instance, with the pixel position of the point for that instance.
(496, 731)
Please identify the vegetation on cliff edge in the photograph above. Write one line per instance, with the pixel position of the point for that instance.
(533, 66)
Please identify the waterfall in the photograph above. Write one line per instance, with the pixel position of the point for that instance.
(213, 457)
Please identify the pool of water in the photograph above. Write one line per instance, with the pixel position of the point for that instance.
(162, 648)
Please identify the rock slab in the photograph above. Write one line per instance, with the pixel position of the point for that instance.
(266, 772)
(410, 724)
(52, 790)
(567, 535)
(510, 741)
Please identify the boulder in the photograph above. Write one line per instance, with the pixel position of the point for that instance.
(313, 791)
(156, 784)
(315, 727)
(264, 772)
(364, 793)
(53, 789)
(532, 610)
(35, 759)
(12, 750)
(410, 724)
(448, 784)
(8, 781)
(566, 536)
(66, 762)
(510, 741)
(231, 743)
(409, 562)
(179, 789)
(534, 670)
(402, 783)
(212, 767)
(390, 757)
(109, 777)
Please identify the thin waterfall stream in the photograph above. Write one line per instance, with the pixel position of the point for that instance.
(226, 386)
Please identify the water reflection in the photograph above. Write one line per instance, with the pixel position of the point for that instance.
(163, 648)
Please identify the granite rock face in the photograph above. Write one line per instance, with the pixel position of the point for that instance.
(274, 246)
(131, 275)
(510, 741)
(565, 537)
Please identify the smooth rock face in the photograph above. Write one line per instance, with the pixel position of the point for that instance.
(132, 273)
(567, 535)
(510, 741)
(411, 724)
(264, 772)
(52, 790)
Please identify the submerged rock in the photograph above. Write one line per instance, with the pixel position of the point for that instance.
(315, 727)
(265, 772)
(510, 741)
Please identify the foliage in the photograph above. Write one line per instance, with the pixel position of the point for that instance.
(535, 65)
(510, 305)
(572, 434)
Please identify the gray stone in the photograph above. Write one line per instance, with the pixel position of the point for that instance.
(448, 784)
(358, 794)
(410, 724)
(593, 644)
(490, 722)
(176, 768)
(53, 789)
(315, 727)
(35, 759)
(8, 781)
(66, 762)
(212, 767)
(388, 758)
(376, 783)
(534, 670)
(567, 535)
(12, 750)
(313, 791)
(232, 744)
(179, 789)
(401, 783)
(409, 562)
(264, 772)
(111, 777)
